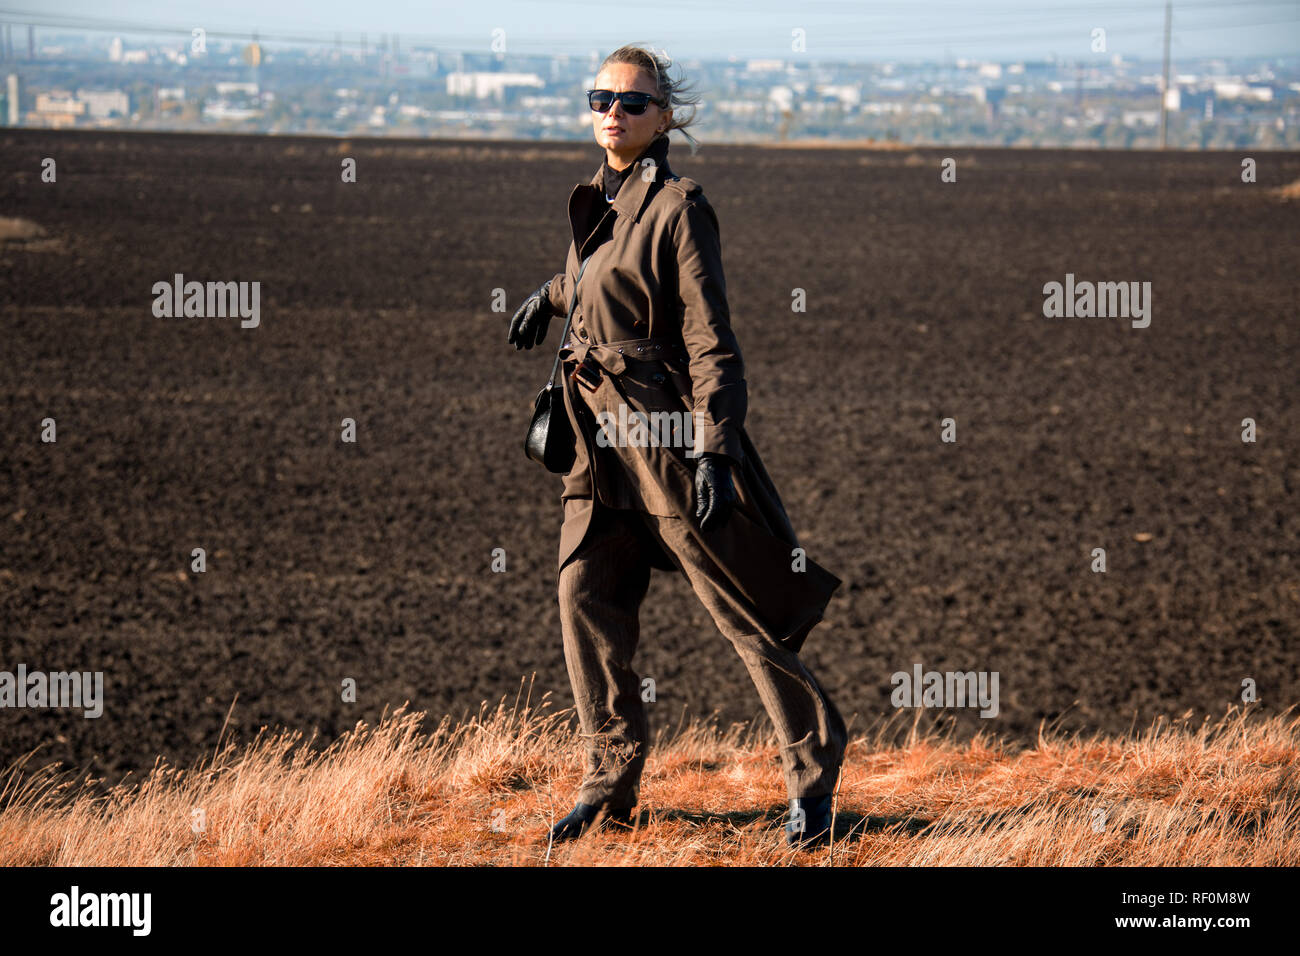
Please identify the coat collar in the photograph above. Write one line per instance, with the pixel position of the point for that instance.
(587, 203)
(632, 195)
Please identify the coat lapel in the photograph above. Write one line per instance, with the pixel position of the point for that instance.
(587, 205)
(636, 189)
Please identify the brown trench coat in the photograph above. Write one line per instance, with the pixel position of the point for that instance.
(652, 314)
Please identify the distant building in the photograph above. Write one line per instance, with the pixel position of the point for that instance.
(781, 97)
(740, 107)
(1240, 91)
(223, 112)
(1197, 101)
(102, 104)
(1135, 118)
(482, 85)
(848, 94)
(115, 50)
(11, 100)
(57, 109)
(993, 97)
(229, 89)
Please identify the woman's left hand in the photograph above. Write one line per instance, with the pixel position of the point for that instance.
(715, 491)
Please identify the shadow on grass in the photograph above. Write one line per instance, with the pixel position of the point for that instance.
(849, 826)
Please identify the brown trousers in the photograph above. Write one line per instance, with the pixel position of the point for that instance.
(601, 589)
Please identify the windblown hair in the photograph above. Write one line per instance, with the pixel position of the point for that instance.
(672, 93)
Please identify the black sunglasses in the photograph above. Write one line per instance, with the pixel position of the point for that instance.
(634, 101)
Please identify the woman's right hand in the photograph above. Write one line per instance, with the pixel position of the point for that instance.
(530, 323)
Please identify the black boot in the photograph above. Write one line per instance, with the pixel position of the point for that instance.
(582, 816)
(811, 827)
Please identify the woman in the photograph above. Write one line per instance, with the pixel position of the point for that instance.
(651, 336)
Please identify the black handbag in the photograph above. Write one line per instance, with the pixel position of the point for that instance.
(550, 441)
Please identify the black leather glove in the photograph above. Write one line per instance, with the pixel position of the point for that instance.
(715, 491)
(529, 325)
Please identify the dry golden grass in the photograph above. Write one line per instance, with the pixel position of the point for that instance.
(484, 792)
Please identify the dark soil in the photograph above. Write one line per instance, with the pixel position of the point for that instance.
(372, 561)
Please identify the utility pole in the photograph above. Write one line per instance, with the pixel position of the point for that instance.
(1164, 87)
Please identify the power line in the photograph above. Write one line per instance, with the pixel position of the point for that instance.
(1030, 30)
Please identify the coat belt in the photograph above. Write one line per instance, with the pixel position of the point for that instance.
(613, 356)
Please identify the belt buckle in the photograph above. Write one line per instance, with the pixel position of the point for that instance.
(587, 374)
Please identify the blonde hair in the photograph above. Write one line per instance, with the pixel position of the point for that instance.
(671, 93)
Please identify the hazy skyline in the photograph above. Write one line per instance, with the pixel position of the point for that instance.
(834, 30)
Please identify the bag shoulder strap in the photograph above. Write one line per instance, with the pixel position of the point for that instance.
(573, 301)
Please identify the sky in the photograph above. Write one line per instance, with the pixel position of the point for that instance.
(832, 29)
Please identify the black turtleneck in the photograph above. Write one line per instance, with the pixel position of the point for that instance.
(614, 178)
